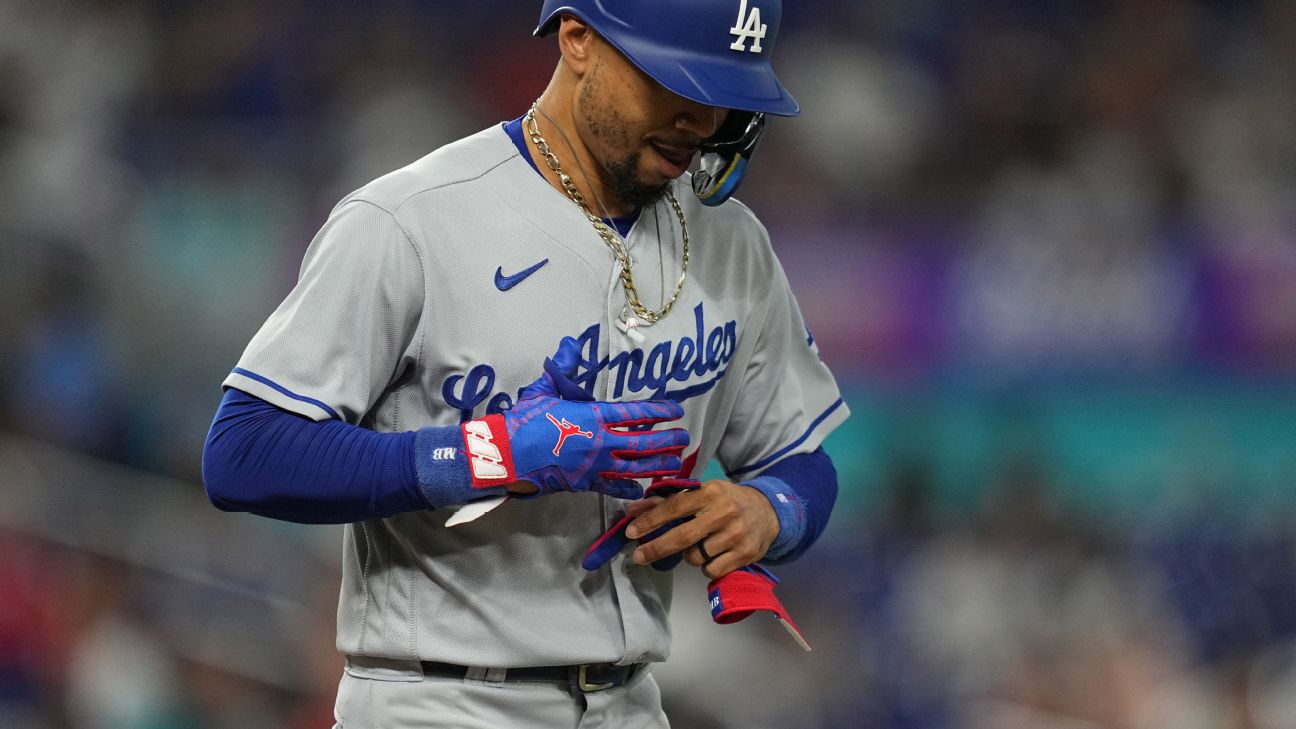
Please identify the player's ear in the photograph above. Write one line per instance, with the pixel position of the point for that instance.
(576, 43)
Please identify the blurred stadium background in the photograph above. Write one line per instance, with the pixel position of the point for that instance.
(1048, 246)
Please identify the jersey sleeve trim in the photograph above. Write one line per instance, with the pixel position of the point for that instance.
(286, 392)
(776, 455)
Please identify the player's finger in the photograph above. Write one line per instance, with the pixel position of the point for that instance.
(730, 549)
(650, 441)
(693, 556)
(660, 455)
(676, 540)
(635, 508)
(722, 565)
(650, 467)
(667, 486)
(721, 541)
(673, 508)
(627, 454)
(642, 412)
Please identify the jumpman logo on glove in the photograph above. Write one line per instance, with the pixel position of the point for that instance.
(609, 457)
(565, 431)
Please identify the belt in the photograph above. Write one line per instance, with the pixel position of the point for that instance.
(583, 678)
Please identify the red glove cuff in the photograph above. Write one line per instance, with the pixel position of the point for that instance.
(490, 460)
(738, 594)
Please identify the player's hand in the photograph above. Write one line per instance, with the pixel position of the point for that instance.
(564, 445)
(614, 540)
(734, 524)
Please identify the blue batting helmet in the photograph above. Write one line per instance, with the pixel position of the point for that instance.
(714, 52)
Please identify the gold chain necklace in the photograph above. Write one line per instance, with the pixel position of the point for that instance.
(605, 232)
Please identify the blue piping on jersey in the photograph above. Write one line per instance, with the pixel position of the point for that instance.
(286, 392)
(780, 452)
(514, 130)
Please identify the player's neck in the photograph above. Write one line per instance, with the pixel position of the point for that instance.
(559, 130)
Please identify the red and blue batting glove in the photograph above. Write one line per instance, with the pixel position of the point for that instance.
(746, 591)
(567, 445)
(614, 540)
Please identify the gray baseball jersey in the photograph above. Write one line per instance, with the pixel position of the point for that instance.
(433, 295)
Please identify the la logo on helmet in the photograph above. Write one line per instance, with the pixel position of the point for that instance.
(748, 27)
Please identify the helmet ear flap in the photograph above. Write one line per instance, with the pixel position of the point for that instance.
(734, 127)
(724, 157)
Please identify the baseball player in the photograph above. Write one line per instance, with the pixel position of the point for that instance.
(490, 352)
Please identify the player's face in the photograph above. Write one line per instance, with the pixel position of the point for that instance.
(642, 135)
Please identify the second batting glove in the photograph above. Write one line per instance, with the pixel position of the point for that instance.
(614, 540)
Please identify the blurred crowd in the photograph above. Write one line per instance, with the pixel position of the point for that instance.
(129, 603)
(1017, 614)
(994, 193)
(1003, 186)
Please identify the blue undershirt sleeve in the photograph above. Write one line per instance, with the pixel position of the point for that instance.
(264, 460)
(802, 489)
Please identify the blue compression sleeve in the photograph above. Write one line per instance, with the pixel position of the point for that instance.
(264, 460)
(802, 489)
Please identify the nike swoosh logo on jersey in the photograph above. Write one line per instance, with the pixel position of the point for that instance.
(504, 283)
